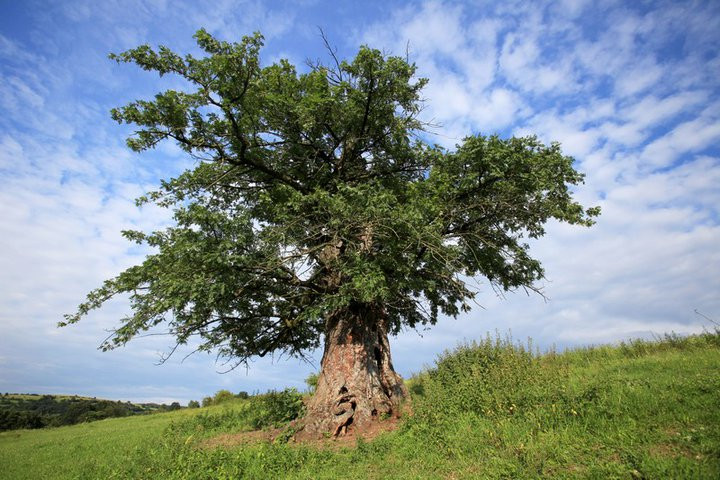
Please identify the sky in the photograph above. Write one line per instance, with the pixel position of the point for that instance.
(630, 89)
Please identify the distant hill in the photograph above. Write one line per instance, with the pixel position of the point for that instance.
(28, 410)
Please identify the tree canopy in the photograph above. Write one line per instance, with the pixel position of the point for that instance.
(315, 190)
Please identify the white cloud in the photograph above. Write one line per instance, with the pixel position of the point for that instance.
(687, 137)
(523, 63)
(638, 78)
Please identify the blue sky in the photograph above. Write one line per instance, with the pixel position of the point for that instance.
(630, 89)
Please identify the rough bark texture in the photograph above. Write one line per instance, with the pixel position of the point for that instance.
(357, 383)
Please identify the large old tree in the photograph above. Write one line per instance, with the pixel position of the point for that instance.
(316, 212)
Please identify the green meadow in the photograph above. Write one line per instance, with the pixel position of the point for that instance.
(490, 409)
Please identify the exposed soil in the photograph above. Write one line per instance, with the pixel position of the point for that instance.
(242, 438)
(671, 449)
(347, 440)
(668, 450)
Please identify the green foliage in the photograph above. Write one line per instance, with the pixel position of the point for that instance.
(311, 381)
(494, 377)
(313, 192)
(271, 409)
(11, 420)
(193, 404)
(38, 411)
(601, 412)
(222, 396)
(279, 407)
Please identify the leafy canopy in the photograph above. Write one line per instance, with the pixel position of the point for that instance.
(314, 191)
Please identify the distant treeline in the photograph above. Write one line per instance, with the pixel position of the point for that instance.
(221, 396)
(38, 411)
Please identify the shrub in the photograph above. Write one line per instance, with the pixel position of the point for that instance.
(281, 407)
(222, 396)
(272, 409)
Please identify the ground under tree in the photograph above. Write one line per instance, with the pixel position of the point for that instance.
(318, 212)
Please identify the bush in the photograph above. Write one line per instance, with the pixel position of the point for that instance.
(272, 409)
(222, 396)
(278, 407)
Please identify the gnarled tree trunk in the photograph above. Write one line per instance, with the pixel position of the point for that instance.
(357, 383)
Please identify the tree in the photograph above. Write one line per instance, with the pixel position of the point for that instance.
(222, 396)
(193, 404)
(317, 211)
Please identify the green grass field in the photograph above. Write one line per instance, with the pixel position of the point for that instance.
(488, 410)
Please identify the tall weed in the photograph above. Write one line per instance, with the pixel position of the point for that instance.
(271, 409)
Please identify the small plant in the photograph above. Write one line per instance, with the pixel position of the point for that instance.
(311, 381)
(287, 433)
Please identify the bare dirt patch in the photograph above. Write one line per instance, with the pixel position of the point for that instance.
(347, 440)
(668, 450)
(241, 438)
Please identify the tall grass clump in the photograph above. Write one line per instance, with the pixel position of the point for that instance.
(639, 347)
(271, 409)
(495, 377)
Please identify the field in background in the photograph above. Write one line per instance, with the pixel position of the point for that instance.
(492, 409)
(32, 411)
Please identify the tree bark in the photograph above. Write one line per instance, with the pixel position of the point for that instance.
(357, 384)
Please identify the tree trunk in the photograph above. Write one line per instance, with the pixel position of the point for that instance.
(357, 383)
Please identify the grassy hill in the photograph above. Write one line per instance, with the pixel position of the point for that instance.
(39, 411)
(486, 410)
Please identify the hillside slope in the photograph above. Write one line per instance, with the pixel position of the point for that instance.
(38, 411)
(487, 410)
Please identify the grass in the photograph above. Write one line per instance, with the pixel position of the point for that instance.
(492, 409)
(79, 451)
